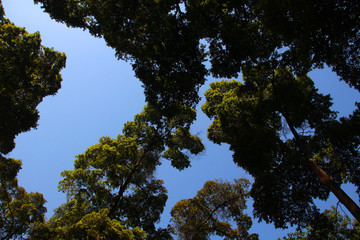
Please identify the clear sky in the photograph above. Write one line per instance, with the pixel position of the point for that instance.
(98, 95)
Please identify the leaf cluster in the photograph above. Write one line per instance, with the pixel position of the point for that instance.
(28, 73)
(165, 38)
(167, 137)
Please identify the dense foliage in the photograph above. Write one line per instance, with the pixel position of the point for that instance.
(19, 210)
(28, 73)
(281, 130)
(212, 210)
(112, 191)
(164, 37)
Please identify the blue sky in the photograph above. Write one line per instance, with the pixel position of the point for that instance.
(98, 95)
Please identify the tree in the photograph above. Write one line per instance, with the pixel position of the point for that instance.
(210, 210)
(282, 131)
(28, 73)
(19, 210)
(112, 191)
(329, 225)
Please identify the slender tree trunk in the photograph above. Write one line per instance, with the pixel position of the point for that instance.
(324, 178)
(335, 189)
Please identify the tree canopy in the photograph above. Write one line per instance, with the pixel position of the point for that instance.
(280, 128)
(113, 186)
(28, 73)
(212, 211)
(163, 37)
(169, 42)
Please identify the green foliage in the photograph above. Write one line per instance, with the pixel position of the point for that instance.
(144, 32)
(157, 134)
(110, 191)
(95, 225)
(315, 34)
(342, 151)
(274, 122)
(19, 210)
(329, 225)
(1, 12)
(163, 39)
(28, 73)
(211, 211)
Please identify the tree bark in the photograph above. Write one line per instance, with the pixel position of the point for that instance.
(335, 189)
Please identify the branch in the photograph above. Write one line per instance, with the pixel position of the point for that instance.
(212, 212)
(123, 188)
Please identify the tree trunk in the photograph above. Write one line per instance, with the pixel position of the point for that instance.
(335, 189)
(324, 177)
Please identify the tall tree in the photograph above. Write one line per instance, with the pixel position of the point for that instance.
(284, 134)
(28, 73)
(112, 191)
(212, 210)
(19, 210)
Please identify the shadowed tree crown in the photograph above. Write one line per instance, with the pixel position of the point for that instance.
(28, 73)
